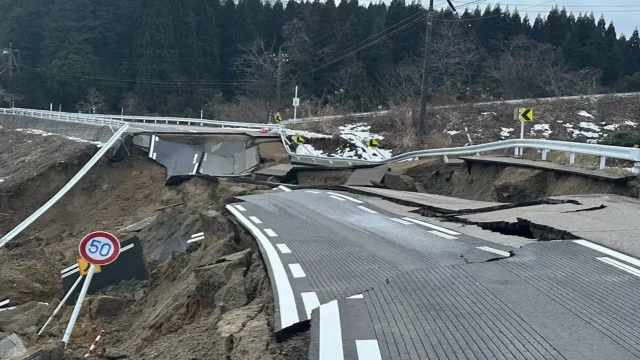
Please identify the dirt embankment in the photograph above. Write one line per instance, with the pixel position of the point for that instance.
(502, 183)
(211, 302)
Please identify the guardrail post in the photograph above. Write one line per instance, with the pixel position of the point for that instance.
(544, 154)
(572, 158)
(636, 168)
(446, 159)
(603, 160)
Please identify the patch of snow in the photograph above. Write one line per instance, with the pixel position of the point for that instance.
(589, 125)
(452, 132)
(1, 180)
(308, 134)
(545, 128)
(559, 121)
(592, 141)
(357, 134)
(308, 149)
(585, 114)
(44, 133)
(612, 127)
(568, 126)
(631, 123)
(506, 132)
(489, 113)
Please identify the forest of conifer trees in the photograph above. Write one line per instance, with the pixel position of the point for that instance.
(177, 57)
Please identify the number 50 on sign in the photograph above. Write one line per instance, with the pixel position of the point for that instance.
(99, 248)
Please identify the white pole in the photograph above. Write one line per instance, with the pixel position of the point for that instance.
(295, 108)
(64, 299)
(201, 113)
(50, 106)
(521, 137)
(76, 309)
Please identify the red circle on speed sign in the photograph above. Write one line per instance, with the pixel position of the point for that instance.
(99, 248)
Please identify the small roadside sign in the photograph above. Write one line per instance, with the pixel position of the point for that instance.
(278, 118)
(83, 266)
(296, 101)
(526, 114)
(372, 143)
(99, 248)
(298, 140)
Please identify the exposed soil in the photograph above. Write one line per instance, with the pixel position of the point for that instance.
(211, 302)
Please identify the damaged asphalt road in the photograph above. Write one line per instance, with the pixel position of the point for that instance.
(386, 286)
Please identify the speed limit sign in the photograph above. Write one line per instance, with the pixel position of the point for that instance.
(99, 248)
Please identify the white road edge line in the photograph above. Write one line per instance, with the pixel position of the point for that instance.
(9, 308)
(240, 207)
(359, 296)
(270, 232)
(284, 248)
(434, 227)
(330, 332)
(286, 299)
(604, 250)
(130, 246)
(255, 219)
(5, 302)
(195, 239)
(195, 158)
(153, 144)
(284, 188)
(70, 272)
(310, 300)
(621, 266)
(68, 268)
(401, 221)
(337, 198)
(367, 209)
(438, 233)
(368, 350)
(296, 271)
(313, 192)
(495, 251)
(197, 234)
(346, 197)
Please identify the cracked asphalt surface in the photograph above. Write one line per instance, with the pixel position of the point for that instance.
(380, 285)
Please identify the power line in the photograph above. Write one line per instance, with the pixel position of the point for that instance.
(497, 15)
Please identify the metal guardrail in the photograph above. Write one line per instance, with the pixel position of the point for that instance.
(118, 120)
(604, 151)
(33, 217)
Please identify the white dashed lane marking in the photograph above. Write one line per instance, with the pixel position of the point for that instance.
(270, 233)
(495, 251)
(296, 270)
(346, 197)
(337, 198)
(367, 209)
(283, 248)
(619, 265)
(310, 300)
(442, 235)
(401, 221)
(240, 207)
(255, 219)
(434, 227)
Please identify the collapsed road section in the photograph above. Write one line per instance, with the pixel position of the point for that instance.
(377, 285)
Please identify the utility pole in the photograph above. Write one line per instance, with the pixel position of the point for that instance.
(280, 60)
(422, 126)
(11, 58)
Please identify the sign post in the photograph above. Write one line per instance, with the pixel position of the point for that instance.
(524, 115)
(296, 103)
(98, 248)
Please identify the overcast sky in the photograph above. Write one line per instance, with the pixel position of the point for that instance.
(625, 14)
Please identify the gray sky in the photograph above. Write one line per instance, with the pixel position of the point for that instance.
(625, 14)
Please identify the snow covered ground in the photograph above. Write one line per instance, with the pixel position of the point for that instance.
(44, 133)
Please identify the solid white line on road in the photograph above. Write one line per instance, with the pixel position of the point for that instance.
(240, 207)
(195, 239)
(77, 269)
(197, 234)
(434, 227)
(330, 332)
(5, 302)
(314, 192)
(286, 299)
(195, 158)
(296, 270)
(153, 144)
(495, 251)
(255, 219)
(270, 233)
(195, 168)
(620, 265)
(359, 296)
(367, 209)
(130, 246)
(401, 221)
(205, 157)
(310, 300)
(284, 188)
(368, 350)
(346, 197)
(284, 248)
(9, 308)
(438, 233)
(609, 252)
(337, 198)
(69, 268)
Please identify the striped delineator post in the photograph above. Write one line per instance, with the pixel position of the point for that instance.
(94, 344)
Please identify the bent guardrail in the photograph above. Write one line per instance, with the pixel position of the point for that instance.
(603, 151)
(33, 217)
